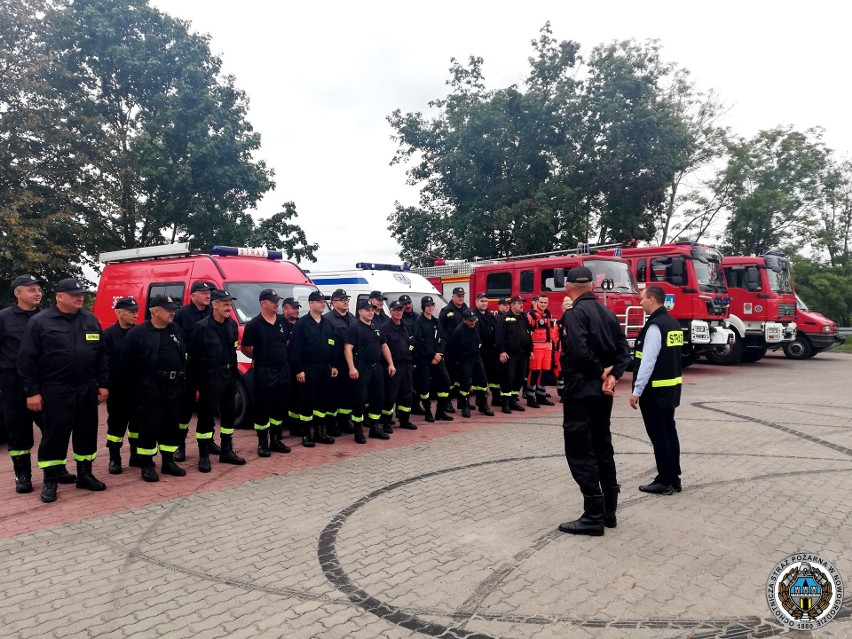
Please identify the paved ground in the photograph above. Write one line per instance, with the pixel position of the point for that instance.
(451, 530)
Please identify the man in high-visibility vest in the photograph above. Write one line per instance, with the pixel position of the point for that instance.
(541, 327)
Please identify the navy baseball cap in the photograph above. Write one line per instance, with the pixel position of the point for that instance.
(339, 294)
(469, 314)
(579, 275)
(316, 296)
(479, 296)
(396, 305)
(503, 300)
(221, 295)
(426, 300)
(517, 298)
(127, 304)
(377, 295)
(162, 301)
(291, 301)
(364, 304)
(268, 295)
(201, 286)
(405, 299)
(70, 285)
(458, 290)
(26, 280)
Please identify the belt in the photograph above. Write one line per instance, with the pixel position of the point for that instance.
(170, 374)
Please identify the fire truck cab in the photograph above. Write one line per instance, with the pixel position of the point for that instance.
(172, 269)
(696, 295)
(763, 307)
(815, 333)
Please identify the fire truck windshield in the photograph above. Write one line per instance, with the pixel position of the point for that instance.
(618, 272)
(709, 275)
(247, 305)
(780, 281)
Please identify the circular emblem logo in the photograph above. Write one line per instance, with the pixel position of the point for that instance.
(402, 279)
(804, 591)
(758, 308)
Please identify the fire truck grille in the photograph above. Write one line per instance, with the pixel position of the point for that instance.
(786, 310)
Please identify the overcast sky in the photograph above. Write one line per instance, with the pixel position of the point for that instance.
(322, 77)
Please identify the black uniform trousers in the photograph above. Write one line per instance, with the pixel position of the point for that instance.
(121, 416)
(368, 392)
(660, 426)
(513, 375)
(471, 376)
(398, 389)
(159, 401)
(271, 394)
(341, 394)
(16, 417)
(491, 360)
(431, 378)
(588, 442)
(314, 400)
(68, 412)
(217, 390)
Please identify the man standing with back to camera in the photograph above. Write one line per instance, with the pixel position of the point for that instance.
(595, 354)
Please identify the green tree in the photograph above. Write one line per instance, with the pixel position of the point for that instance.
(824, 288)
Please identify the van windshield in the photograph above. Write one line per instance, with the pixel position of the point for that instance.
(247, 305)
(392, 296)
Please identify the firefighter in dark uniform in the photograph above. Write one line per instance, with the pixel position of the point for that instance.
(290, 311)
(450, 318)
(465, 346)
(64, 372)
(213, 360)
(312, 347)
(377, 300)
(13, 401)
(120, 414)
(541, 326)
(265, 341)
(595, 354)
(158, 354)
(364, 350)
(340, 418)
(503, 305)
(398, 387)
(430, 371)
(514, 345)
(657, 385)
(187, 317)
(409, 316)
(487, 326)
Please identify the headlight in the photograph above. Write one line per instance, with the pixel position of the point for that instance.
(828, 328)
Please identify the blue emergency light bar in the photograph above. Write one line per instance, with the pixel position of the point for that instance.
(773, 254)
(369, 266)
(246, 251)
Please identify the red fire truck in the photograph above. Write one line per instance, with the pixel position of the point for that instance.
(696, 295)
(763, 307)
(544, 274)
(172, 269)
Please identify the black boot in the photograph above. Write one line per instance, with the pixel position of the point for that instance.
(532, 402)
(344, 424)
(496, 399)
(591, 521)
(85, 478)
(114, 458)
(134, 461)
(228, 454)
(416, 409)
(322, 436)
(465, 408)
(23, 473)
(387, 427)
(447, 405)
(63, 476)
(460, 402)
(180, 453)
(404, 421)
(169, 467)
(507, 406)
(204, 455)
(427, 410)
(441, 412)
(515, 405)
(359, 433)
(376, 431)
(275, 443)
(541, 398)
(610, 495)
(308, 435)
(48, 488)
(263, 443)
(215, 449)
(149, 470)
(482, 405)
(331, 428)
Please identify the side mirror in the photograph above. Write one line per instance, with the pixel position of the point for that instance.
(752, 279)
(559, 278)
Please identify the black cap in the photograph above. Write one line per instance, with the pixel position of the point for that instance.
(364, 304)
(163, 301)
(426, 300)
(396, 306)
(126, 303)
(291, 301)
(458, 290)
(71, 286)
(201, 286)
(479, 296)
(26, 280)
(535, 298)
(469, 314)
(503, 300)
(517, 298)
(579, 275)
(269, 295)
(316, 296)
(220, 295)
(405, 299)
(377, 295)
(339, 294)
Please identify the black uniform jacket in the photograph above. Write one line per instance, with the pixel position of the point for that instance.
(13, 323)
(340, 324)
(142, 346)
(188, 316)
(512, 334)
(311, 344)
(113, 339)
(205, 346)
(62, 348)
(487, 327)
(464, 344)
(400, 341)
(410, 319)
(592, 341)
(429, 338)
(451, 317)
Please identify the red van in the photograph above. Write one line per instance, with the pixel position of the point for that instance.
(171, 270)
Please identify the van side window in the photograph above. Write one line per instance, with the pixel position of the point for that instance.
(498, 284)
(174, 290)
(547, 284)
(640, 270)
(527, 282)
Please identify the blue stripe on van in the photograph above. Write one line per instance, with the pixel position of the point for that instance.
(330, 281)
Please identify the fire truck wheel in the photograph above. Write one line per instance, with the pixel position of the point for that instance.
(728, 354)
(799, 348)
(753, 354)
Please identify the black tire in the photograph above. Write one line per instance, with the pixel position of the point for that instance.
(728, 354)
(688, 359)
(242, 405)
(799, 348)
(751, 355)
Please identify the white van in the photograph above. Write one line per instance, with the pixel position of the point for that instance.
(392, 280)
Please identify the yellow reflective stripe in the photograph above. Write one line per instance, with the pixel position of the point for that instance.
(373, 415)
(502, 394)
(387, 412)
(82, 458)
(53, 462)
(275, 422)
(344, 411)
(493, 385)
(464, 393)
(306, 418)
(182, 427)
(404, 409)
(674, 338)
(18, 453)
(203, 435)
(638, 354)
(667, 382)
(113, 438)
(168, 449)
(443, 395)
(292, 415)
(261, 426)
(132, 435)
(319, 414)
(226, 431)
(331, 413)
(357, 418)
(426, 396)
(146, 451)
(478, 388)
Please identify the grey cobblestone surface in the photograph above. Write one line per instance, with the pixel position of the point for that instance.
(457, 537)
